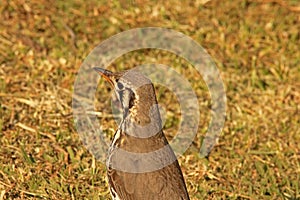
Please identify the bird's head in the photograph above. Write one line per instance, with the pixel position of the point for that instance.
(135, 93)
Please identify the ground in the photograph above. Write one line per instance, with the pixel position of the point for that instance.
(254, 43)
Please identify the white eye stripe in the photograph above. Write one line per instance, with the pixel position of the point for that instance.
(125, 95)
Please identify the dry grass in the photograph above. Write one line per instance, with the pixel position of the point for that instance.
(255, 43)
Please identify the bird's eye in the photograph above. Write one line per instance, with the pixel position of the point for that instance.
(120, 86)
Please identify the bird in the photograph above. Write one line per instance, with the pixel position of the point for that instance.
(140, 163)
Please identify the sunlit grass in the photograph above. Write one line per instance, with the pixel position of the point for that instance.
(255, 45)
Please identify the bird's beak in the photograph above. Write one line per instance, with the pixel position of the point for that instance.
(105, 74)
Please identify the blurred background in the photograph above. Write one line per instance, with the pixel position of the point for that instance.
(255, 44)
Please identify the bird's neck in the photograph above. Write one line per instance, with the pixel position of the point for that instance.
(142, 120)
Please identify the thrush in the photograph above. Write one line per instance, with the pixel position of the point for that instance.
(140, 163)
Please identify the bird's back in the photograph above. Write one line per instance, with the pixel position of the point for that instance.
(166, 183)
